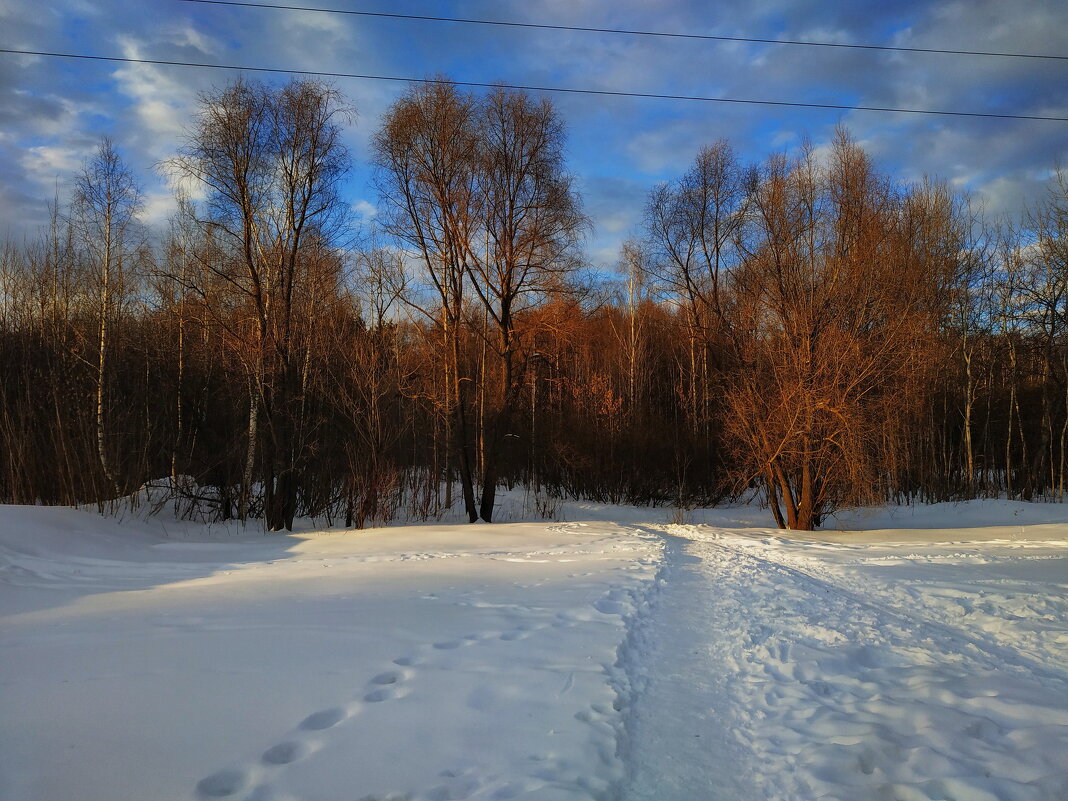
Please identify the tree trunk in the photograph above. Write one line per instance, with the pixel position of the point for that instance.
(105, 303)
(463, 441)
(969, 400)
(250, 453)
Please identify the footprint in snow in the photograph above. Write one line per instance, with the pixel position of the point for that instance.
(389, 686)
(384, 694)
(569, 619)
(324, 719)
(449, 645)
(223, 784)
(607, 606)
(233, 781)
(389, 677)
(285, 753)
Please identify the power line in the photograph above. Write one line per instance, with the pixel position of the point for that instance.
(557, 89)
(624, 31)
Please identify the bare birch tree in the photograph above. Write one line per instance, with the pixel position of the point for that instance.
(272, 162)
(107, 200)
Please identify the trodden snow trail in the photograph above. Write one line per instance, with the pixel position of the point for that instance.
(764, 681)
(678, 743)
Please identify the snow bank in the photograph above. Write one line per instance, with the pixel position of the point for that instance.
(615, 655)
(423, 662)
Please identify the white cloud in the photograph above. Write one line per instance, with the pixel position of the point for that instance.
(161, 100)
(364, 209)
(44, 164)
(158, 208)
(185, 34)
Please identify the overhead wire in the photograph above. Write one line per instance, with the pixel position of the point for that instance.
(529, 88)
(627, 31)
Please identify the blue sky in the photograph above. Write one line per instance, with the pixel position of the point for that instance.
(53, 112)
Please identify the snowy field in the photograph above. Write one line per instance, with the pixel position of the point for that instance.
(612, 656)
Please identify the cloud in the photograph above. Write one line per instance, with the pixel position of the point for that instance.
(53, 111)
(364, 209)
(157, 208)
(45, 164)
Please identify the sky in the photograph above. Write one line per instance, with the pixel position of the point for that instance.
(53, 112)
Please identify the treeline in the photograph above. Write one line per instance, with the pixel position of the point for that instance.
(806, 328)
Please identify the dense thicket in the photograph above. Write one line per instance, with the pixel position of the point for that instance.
(807, 328)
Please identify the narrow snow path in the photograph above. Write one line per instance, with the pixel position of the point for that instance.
(763, 680)
(679, 744)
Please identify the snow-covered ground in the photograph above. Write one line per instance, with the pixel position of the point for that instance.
(612, 656)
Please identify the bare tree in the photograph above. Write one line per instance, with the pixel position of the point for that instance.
(954, 236)
(426, 153)
(837, 308)
(272, 162)
(478, 191)
(531, 221)
(633, 264)
(106, 203)
(1043, 295)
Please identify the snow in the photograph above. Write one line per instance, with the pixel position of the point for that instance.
(615, 656)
